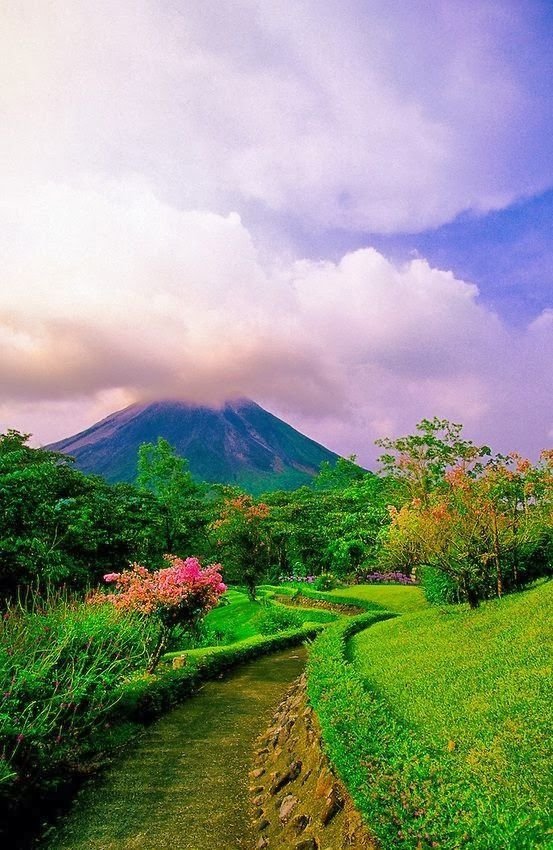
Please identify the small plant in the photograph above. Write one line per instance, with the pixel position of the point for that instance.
(276, 618)
(325, 582)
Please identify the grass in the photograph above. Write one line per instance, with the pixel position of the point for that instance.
(238, 618)
(393, 597)
(472, 692)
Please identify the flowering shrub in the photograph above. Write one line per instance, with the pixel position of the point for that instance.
(391, 577)
(293, 579)
(177, 595)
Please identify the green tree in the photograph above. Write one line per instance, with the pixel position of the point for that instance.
(415, 465)
(181, 500)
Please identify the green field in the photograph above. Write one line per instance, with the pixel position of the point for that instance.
(473, 690)
(394, 597)
(237, 618)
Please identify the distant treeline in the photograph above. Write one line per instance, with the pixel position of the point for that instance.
(468, 524)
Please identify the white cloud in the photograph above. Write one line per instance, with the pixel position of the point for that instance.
(110, 294)
(371, 115)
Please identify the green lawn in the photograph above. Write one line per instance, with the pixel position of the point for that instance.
(235, 619)
(474, 688)
(394, 597)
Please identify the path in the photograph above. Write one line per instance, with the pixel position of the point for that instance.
(185, 785)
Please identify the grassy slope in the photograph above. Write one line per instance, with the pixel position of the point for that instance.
(237, 620)
(394, 597)
(475, 687)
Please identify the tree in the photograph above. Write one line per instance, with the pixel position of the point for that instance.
(416, 464)
(483, 527)
(166, 475)
(243, 536)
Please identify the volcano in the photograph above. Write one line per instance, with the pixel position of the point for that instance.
(238, 443)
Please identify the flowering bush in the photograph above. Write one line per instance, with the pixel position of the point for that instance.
(293, 579)
(177, 595)
(391, 577)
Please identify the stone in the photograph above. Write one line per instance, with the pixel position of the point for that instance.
(307, 844)
(262, 843)
(300, 822)
(334, 803)
(255, 774)
(288, 776)
(287, 807)
(263, 824)
(306, 776)
(258, 801)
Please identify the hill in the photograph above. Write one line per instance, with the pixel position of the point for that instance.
(238, 443)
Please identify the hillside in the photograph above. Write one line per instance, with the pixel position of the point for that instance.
(238, 443)
(467, 696)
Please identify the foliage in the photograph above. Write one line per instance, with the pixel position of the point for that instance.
(390, 577)
(416, 464)
(59, 526)
(162, 472)
(277, 618)
(461, 705)
(486, 527)
(438, 587)
(326, 581)
(243, 537)
(61, 664)
(178, 595)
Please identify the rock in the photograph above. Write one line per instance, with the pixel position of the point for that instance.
(306, 776)
(263, 824)
(300, 822)
(287, 807)
(257, 801)
(262, 843)
(255, 774)
(333, 804)
(307, 844)
(288, 776)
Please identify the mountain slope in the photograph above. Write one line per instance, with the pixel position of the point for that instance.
(239, 443)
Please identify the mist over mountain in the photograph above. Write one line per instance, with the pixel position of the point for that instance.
(237, 443)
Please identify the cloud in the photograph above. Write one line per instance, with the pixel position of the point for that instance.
(111, 295)
(364, 115)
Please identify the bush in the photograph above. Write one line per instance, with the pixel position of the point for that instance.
(326, 582)
(61, 663)
(438, 587)
(276, 618)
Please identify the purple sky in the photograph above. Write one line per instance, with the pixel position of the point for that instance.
(341, 209)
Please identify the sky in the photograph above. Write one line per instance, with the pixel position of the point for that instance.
(341, 209)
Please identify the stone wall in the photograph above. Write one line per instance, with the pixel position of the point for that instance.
(298, 802)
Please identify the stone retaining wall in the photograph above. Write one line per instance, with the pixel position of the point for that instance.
(298, 802)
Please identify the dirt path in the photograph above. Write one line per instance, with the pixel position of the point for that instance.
(185, 785)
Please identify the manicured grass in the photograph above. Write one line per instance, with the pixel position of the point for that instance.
(237, 618)
(234, 620)
(472, 691)
(393, 597)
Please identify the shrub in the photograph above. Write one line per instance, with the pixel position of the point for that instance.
(325, 582)
(390, 577)
(179, 595)
(276, 618)
(61, 663)
(438, 587)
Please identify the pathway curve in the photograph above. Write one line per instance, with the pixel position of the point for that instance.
(185, 785)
